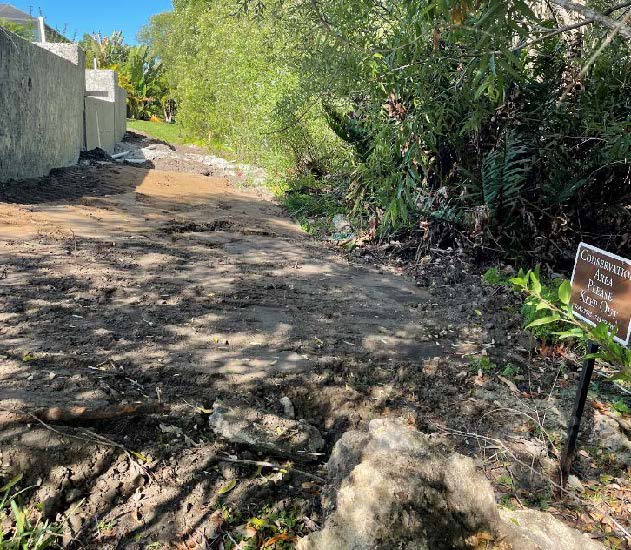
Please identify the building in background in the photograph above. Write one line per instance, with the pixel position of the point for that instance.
(26, 25)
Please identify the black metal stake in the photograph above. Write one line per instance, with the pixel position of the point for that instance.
(577, 413)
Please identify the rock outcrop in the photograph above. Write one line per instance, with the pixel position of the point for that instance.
(395, 487)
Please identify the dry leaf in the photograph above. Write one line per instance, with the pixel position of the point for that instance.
(511, 386)
(247, 531)
(278, 538)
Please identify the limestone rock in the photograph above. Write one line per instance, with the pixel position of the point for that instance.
(288, 407)
(533, 530)
(402, 492)
(264, 430)
(395, 487)
(607, 433)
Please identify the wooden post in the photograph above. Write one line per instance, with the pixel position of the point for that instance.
(577, 413)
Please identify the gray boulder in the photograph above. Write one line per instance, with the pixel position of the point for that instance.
(395, 487)
(609, 433)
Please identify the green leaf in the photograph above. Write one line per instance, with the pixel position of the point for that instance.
(520, 282)
(227, 487)
(600, 331)
(536, 285)
(12, 483)
(20, 518)
(572, 333)
(140, 457)
(259, 523)
(543, 321)
(565, 292)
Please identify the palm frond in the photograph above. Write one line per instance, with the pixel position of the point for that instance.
(505, 172)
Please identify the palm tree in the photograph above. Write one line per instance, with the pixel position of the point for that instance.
(108, 51)
(142, 76)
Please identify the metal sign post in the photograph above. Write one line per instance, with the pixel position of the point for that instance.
(577, 414)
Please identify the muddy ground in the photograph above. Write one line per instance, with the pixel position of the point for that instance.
(121, 283)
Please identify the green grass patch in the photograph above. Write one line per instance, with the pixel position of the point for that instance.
(171, 133)
(482, 363)
(21, 531)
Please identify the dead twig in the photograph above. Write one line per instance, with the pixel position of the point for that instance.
(276, 467)
(562, 490)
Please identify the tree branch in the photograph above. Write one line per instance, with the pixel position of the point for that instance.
(595, 17)
(574, 26)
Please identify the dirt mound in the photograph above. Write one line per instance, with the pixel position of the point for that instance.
(95, 154)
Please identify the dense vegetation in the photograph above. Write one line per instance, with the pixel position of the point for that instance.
(502, 119)
(140, 72)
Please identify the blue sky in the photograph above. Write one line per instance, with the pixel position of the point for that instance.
(81, 16)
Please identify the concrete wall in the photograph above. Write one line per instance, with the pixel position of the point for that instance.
(41, 107)
(121, 113)
(105, 110)
(70, 52)
(51, 107)
(100, 124)
(102, 82)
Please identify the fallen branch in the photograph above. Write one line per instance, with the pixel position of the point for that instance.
(276, 467)
(79, 413)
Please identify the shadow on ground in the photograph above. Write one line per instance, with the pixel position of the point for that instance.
(124, 284)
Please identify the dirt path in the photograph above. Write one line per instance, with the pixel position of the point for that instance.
(123, 284)
(185, 272)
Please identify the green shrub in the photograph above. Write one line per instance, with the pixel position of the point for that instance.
(494, 277)
(557, 310)
(548, 332)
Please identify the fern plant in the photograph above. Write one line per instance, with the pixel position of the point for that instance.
(504, 174)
